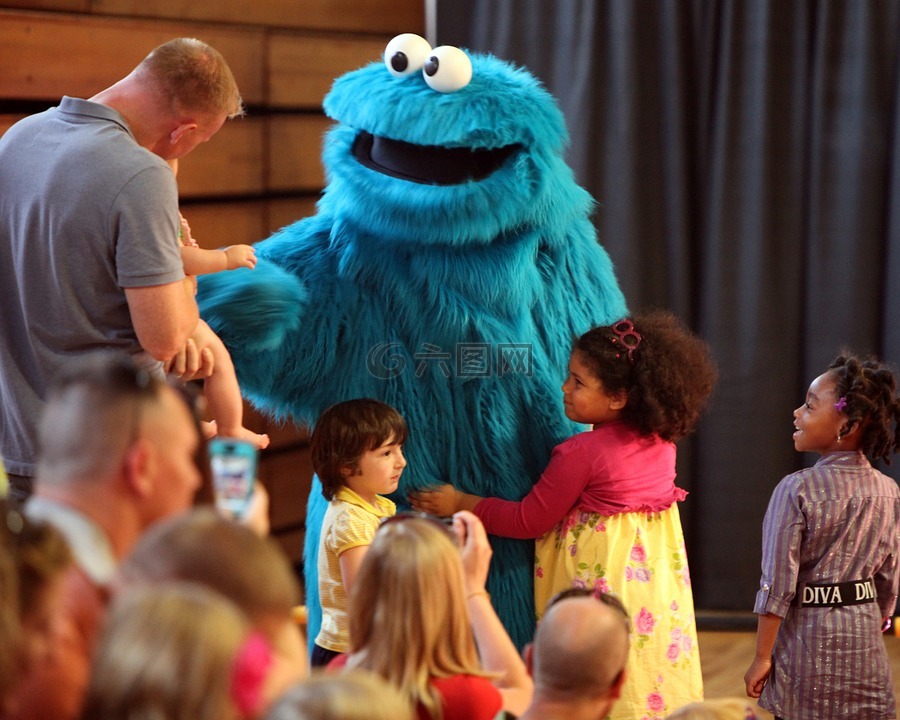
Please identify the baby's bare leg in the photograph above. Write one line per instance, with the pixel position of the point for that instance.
(222, 392)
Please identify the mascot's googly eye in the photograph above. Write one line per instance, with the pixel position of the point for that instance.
(406, 54)
(447, 69)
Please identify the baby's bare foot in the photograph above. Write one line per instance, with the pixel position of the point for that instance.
(261, 441)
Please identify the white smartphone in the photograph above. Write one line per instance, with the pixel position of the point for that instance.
(233, 465)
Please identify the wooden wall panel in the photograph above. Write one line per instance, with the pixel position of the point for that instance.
(253, 420)
(261, 172)
(295, 152)
(215, 225)
(7, 121)
(373, 16)
(303, 67)
(79, 6)
(285, 435)
(45, 56)
(231, 163)
(288, 211)
(287, 476)
(218, 224)
(291, 542)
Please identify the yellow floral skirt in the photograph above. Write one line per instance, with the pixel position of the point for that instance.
(640, 558)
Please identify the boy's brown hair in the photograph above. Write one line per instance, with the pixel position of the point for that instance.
(345, 431)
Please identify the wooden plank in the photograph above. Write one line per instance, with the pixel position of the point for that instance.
(282, 436)
(285, 435)
(724, 656)
(295, 149)
(288, 478)
(291, 543)
(216, 225)
(7, 121)
(80, 6)
(231, 163)
(389, 17)
(303, 67)
(252, 420)
(286, 211)
(45, 56)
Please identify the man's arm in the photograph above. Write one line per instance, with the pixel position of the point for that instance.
(164, 316)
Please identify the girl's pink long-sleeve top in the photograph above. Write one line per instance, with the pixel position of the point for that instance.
(608, 470)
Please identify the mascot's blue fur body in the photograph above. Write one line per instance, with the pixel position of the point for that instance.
(455, 302)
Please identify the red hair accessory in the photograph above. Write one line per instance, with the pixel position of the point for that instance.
(249, 672)
(627, 336)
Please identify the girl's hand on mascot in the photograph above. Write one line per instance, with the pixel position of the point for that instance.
(441, 500)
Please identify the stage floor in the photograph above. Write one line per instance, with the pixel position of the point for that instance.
(725, 655)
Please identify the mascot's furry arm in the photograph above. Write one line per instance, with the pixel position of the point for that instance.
(261, 307)
(449, 265)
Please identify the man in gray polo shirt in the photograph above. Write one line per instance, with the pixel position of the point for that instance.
(89, 253)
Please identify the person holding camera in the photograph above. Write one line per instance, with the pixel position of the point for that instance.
(420, 617)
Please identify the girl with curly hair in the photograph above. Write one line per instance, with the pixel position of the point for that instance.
(605, 510)
(831, 555)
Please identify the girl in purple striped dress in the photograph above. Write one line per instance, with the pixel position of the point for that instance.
(831, 548)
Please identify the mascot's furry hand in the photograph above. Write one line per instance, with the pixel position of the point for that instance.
(448, 267)
(254, 311)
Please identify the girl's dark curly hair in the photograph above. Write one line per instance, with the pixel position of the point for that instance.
(869, 387)
(668, 375)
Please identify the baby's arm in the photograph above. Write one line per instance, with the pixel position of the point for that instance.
(199, 261)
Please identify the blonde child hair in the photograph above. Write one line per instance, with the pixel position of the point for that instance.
(352, 695)
(172, 652)
(201, 546)
(408, 617)
(250, 570)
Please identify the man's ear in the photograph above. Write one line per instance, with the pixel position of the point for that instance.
(138, 467)
(615, 691)
(528, 656)
(183, 130)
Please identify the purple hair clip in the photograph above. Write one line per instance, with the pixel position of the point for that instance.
(841, 404)
(627, 336)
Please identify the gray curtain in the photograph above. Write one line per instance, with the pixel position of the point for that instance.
(745, 157)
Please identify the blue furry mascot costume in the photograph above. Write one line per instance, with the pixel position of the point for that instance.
(448, 267)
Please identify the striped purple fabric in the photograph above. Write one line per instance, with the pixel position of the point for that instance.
(834, 522)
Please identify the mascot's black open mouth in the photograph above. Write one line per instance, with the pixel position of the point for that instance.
(428, 164)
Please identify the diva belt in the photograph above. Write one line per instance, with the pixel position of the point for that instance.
(852, 592)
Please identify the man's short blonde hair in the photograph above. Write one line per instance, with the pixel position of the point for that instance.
(195, 76)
